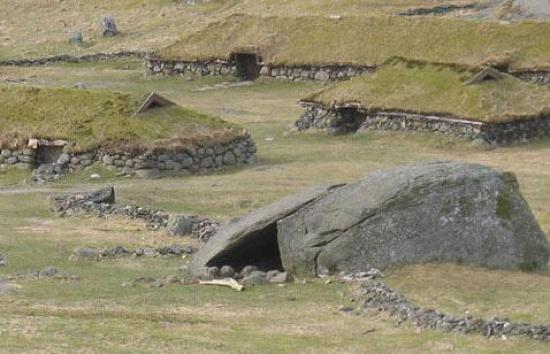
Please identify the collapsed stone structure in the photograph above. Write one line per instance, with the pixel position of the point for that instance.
(482, 108)
(428, 212)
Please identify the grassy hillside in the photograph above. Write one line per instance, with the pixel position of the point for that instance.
(91, 118)
(434, 89)
(99, 313)
(369, 40)
(151, 24)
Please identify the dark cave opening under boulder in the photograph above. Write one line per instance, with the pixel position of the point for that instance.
(260, 249)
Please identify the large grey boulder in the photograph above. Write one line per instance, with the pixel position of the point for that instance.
(428, 212)
(253, 238)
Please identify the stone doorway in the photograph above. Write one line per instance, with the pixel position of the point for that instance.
(48, 154)
(248, 66)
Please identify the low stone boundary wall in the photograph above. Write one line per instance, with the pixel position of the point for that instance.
(74, 59)
(225, 68)
(374, 295)
(141, 164)
(537, 77)
(355, 120)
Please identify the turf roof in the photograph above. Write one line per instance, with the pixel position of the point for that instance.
(369, 41)
(439, 90)
(93, 118)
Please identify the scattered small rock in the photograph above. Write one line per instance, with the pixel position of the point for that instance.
(227, 271)
(278, 277)
(108, 26)
(95, 254)
(6, 288)
(76, 37)
(2, 261)
(254, 280)
(79, 85)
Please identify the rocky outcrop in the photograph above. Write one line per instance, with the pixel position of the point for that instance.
(429, 212)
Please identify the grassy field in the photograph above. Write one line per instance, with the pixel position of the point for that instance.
(151, 24)
(92, 118)
(98, 314)
(370, 40)
(429, 89)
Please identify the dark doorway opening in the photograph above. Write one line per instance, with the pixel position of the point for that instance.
(248, 66)
(48, 154)
(260, 249)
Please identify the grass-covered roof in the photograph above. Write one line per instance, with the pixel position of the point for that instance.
(439, 90)
(318, 40)
(93, 118)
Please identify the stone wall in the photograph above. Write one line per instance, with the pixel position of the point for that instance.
(225, 68)
(538, 77)
(352, 120)
(374, 296)
(22, 158)
(141, 164)
(74, 59)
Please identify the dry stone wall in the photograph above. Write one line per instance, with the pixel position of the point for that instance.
(22, 158)
(337, 121)
(74, 59)
(225, 68)
(538, 77)
(141, 164)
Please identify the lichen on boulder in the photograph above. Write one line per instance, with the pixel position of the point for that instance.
(428, 212)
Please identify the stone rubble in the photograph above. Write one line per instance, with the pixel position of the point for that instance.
(373, 295)
(49, 272)
(96, 254)
(249, 275)
(101, 203)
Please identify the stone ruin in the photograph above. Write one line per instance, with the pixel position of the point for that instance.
(428, 212)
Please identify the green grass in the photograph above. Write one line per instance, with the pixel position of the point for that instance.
(98, 314)
(94, 118)
(430, 89)
(370, 41)
(150, 24)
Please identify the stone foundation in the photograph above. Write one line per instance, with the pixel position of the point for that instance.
(346, 120)
(141, 164)
(538, 77)
(74, 59)
(22, 158)
(225, 68)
